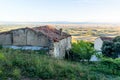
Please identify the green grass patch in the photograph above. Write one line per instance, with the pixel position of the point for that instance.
(18, 64)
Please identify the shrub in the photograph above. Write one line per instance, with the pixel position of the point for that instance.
(1, 47)
(111, 48)
(82, 50)
(21, 63)
(16, 73)
(107, 49)
(108, 66)
(116, 39)
(2, 57)
(32, 65)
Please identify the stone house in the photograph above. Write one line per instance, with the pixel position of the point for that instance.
(99, 42)
(56, 41)
(98, 45)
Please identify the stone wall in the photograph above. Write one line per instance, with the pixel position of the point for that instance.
(98, 44)
(23, 37)
(19, 37)
(5, 39)
(36, 39)
(61, 47)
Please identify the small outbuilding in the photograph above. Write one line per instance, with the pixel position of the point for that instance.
(99, 42)
(48, 37)
(98, 45)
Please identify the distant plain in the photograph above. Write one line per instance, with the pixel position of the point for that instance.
(87, 32)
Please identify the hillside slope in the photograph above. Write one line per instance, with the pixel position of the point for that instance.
(33, 65)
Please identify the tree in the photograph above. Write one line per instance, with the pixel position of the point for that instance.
(107, 49)
(82, 50)
(111, 48)
(116, 39)
(117, 48)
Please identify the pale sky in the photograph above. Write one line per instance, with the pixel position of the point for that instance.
(60, 10)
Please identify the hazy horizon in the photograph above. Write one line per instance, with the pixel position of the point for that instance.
(94, 11)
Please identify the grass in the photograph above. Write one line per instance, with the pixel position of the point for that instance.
(19, 65)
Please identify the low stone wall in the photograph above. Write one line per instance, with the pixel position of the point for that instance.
(26, 47)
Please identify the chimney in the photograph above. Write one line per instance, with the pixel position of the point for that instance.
(61, 31)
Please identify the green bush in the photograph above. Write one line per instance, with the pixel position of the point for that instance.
(16, 73)
(16, 64)
(108, 66)
(34, 65)
(1, 47)
(111, 48)
(82, 50)
(2, 57)
(108, 50)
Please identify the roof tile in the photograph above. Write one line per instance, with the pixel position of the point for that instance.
(51, 32)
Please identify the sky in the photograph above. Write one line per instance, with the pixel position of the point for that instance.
(60, 10)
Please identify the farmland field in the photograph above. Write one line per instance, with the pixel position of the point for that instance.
(88, 32)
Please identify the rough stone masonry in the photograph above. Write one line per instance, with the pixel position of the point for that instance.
(56, 41)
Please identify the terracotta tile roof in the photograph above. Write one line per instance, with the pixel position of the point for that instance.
(106, 38)
(51, 33)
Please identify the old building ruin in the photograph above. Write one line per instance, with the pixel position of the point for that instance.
(56, 41)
